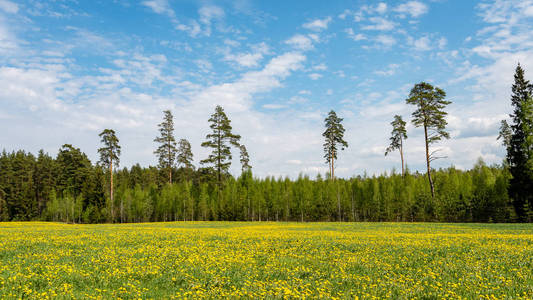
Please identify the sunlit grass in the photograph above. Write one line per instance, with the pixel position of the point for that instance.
(266, 260)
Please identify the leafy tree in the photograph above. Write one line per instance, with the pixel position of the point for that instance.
(219, 141)
(245, 159)
(334, 136)
(430, 114)
(519, 142)
(166, 152)
(398, 135)
(109, 154)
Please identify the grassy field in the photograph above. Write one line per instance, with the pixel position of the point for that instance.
(266, 260)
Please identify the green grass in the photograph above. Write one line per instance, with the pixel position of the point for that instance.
(266, 260)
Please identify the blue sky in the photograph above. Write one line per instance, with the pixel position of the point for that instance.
(69, 69)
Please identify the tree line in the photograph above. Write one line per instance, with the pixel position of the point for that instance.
(70, 188)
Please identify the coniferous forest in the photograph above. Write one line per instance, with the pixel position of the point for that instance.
(71, 188)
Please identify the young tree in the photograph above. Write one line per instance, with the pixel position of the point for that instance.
(519, 139)
(398, 135)
(219, 141)
(430, 114)
(109, 154)
(166, 152)
(334, 136)
(245, 159)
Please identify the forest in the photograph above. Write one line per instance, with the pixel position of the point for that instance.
(70, 188)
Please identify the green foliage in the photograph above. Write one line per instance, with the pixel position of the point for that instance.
(110, 152)
(184, 154)
(334, 136)
(219, 141)
(430, 112)
(518, 139)
(398, 134)
(245, 159)
(477, 195)
(167, 151)
(430, 115)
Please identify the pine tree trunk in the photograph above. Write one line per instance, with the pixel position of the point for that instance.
(111, 192)
(401, 155)
(332, 168)
(169, 163)
(427, 161)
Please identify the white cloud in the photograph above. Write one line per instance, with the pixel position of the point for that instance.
(413, 8)
(422, 44)
(379, 23)
(353, 36)
(389, 71)
(381, 8)
(315, 76)
(344, 14)
(300, 41)
(193, 29)
(274, 106)
(160, 7)
(442, 42)
(427, 42)
(298, 99)
(209, 13)
(320, 67)
(318, 24)
(249, 59)
(204, 65)
(386, 40)
(8, 41)
(9, 7)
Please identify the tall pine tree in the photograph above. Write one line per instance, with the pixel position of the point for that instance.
(430, 114)
(398, 135)
(219, 140)
(520, 146)
(166, 152)
(110, 154)
(334, 137)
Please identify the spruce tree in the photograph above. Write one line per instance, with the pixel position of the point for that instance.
(520, 145)
(166, 152)
(430, 114)
(219, 141)
(334, 137)
(109, 154)
(398, 135)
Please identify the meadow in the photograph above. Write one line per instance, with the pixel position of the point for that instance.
(266, 260)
